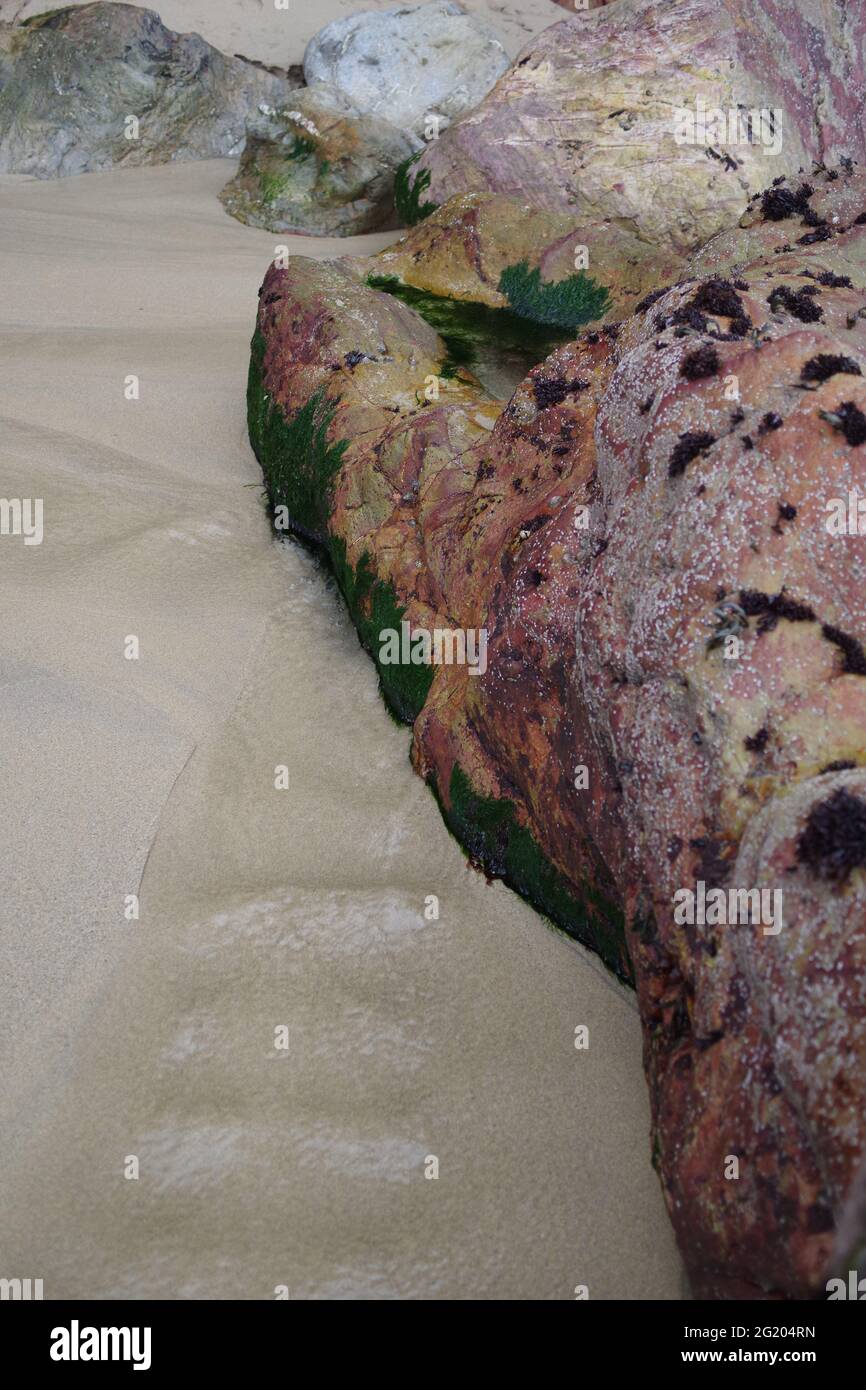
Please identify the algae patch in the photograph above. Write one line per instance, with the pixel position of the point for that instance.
(407, 196)
(488, 829)
(299, 468)
(298, 463)
(566, 304)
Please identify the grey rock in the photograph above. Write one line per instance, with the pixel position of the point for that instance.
(408, 62)
(318, 166)
(70, 82)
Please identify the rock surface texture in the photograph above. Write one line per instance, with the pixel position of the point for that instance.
(409, 62)
(585, 120)
(460, 252)
(319, 165)
(674, 691)
(100, 85)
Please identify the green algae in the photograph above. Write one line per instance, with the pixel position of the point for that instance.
(467, 328)
(565, 304)
(271, 186)
(488, 829)
(374, 607)
(407, 196)
(298, 463)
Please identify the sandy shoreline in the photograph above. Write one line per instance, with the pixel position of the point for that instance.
(258, 908)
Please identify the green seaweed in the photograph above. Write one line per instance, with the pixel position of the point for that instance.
(271, 186)
(302, 146)
(374, 606)
(407, 196)
(489, 831)
(298, 463)
(567, 304)
(465, 327)
(299, 467)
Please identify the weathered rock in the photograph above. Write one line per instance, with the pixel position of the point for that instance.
(99, 85)
(585, 120)
(648, 494)
(461, 251)
(321, 167)
(410, 62)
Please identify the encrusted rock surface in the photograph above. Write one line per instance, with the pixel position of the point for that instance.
(319, 166)
(410, 62)
(461, 250)
(69, 82)
(584, 121)
(650, 492)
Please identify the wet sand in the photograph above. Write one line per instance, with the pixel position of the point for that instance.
(260, 909)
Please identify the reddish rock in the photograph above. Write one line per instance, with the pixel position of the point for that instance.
(706, 438)
(584, 120)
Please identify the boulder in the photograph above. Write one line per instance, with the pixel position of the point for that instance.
(673, 698)
(663, 117)
(319, 166)
(409, 63)
(96, 86)
(462, 250)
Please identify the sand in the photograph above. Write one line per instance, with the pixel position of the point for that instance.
(260, 909)
(256, 29)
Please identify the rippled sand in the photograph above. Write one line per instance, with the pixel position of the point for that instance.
(259, 908)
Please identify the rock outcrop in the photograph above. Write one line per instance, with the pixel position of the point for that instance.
(95, 86)
(409, 63)
(320, 166)
(461, 251)
(671, 706)
(663, 117)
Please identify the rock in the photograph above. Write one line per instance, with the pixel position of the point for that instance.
(321, 167)
(504, 282)
(99, 85)
(463, 249)
(410, 62)
(585, 120)
(650, 492)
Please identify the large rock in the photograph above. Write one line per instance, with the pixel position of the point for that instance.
(674, 685)
(462, 250)
(409, 62)
(585, 119)
(320, 167)
(100, 85)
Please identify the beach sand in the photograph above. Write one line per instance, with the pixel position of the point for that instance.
(260, 909)
(256, 29)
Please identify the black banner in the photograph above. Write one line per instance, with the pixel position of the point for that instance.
(159, 1339)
